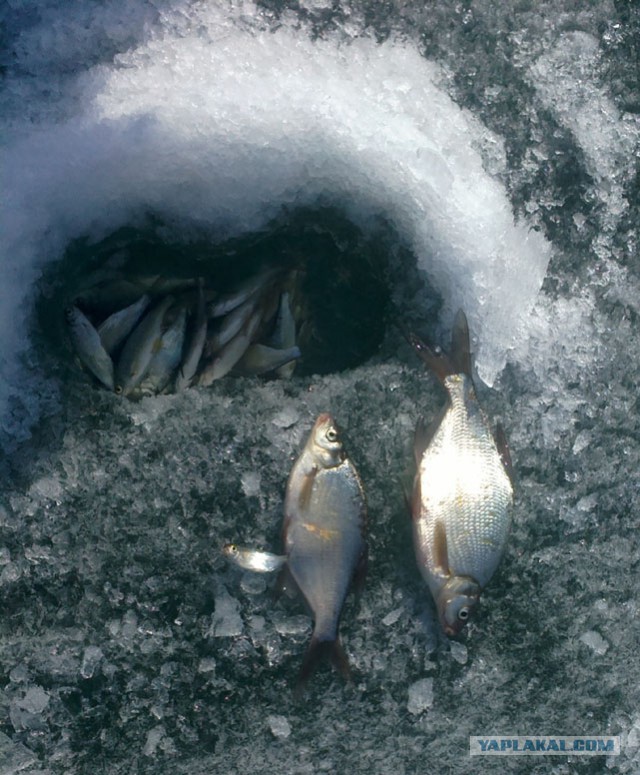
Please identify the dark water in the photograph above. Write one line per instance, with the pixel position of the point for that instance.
(127, 643)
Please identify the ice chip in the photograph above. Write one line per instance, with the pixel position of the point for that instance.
(291, 625)
(91, 658)
(420, 696)
(458, 652)
(35, 700)
(279, 726)
(392, 617)
(595, 642)
(226, 621)
(154, 736)
(253, 583)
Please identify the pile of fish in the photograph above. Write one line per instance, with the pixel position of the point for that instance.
(461, 510)
(175, 334)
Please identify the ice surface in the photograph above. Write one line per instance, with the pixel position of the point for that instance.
(127, 642)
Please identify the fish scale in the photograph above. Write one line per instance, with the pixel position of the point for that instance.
(465, 486)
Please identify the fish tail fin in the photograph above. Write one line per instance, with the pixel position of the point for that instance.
(317, 651)
(458, 361)
(434, 358)
(460, 344)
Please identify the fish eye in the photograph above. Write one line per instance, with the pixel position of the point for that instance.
(463, 614)
(332, 434)
(117, 389)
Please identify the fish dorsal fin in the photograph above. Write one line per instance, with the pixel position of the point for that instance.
(503, 449)
(440, 552)
(460, 345)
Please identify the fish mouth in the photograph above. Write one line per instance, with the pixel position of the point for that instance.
(343, 279)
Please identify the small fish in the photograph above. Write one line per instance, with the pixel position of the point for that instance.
(86, 341)
(284, 335)
(117, 327)
(231, 353)
(230, 325)
(324, 529)
(261, 359)
(166, 359)
(139, 348)
(463, 491)
(252, 559)
(228, 302)
(191, 358)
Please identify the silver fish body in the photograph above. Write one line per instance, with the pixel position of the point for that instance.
(140, 347)
(166, 359)
(253, 559)
(261, 359)
(463, 493)
(284, 335)
(89, 348)
(324, 536)
(117, 327)
(194, 349)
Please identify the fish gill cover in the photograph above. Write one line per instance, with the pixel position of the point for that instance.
(127, 643)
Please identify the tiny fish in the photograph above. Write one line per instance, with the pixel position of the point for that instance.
(252, 559)
(88, 346)
(261, 359)
(463, 491)
(193, 353)
(139, 348)
(117, 327)
(325, 520)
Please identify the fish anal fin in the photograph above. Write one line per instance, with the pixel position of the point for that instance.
(503, 449)
(460, 344)
(317, 651)
(440, 552)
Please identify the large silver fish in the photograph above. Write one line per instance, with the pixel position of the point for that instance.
(463, 491)
(324, 531)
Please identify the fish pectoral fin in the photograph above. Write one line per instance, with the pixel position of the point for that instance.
(503, 449)
(440, 552)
